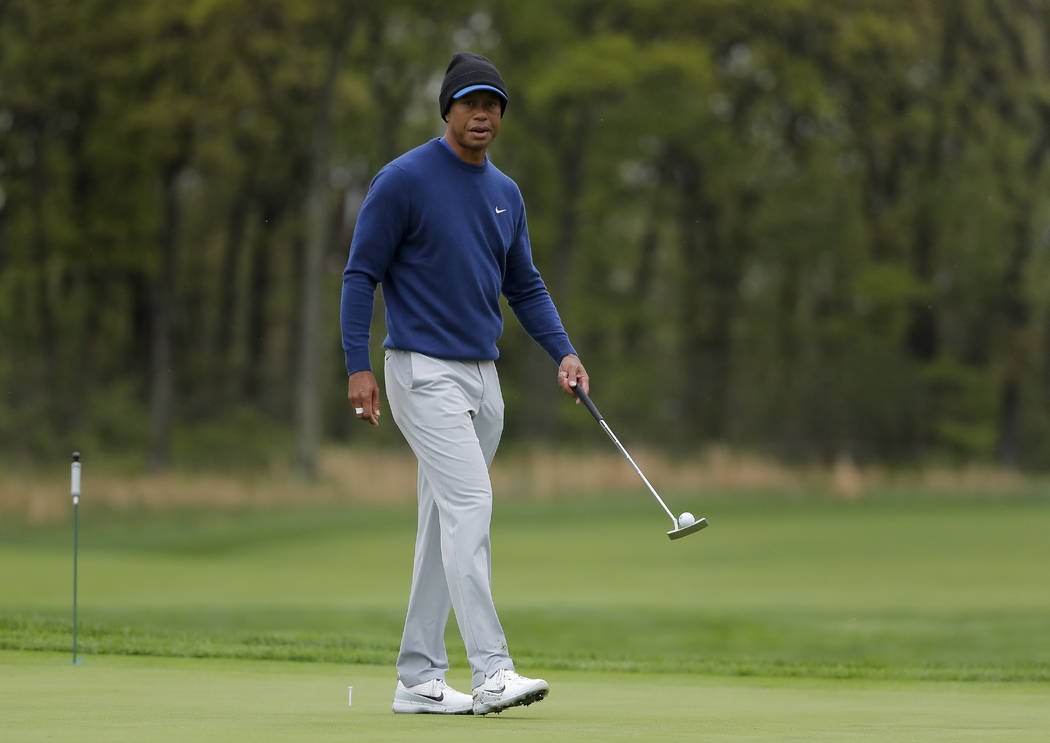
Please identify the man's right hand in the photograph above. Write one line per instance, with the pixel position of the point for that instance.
(363, 393)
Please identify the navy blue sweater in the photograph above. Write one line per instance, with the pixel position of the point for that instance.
(445, 238)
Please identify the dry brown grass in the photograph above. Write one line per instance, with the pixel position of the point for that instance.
(544, 473)
(348, 475)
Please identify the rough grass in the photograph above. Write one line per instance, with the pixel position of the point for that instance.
(37, 497)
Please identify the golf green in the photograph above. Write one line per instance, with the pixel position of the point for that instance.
(44, 697)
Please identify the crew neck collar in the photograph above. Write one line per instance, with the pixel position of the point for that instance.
(469, 166)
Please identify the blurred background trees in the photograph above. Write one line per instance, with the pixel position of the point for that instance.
(808, 229)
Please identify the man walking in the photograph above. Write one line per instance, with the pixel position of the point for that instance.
(445, 233)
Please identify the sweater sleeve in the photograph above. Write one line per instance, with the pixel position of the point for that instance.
(528, 297)
(380, 226)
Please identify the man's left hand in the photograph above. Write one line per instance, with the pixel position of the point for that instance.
(572, 373)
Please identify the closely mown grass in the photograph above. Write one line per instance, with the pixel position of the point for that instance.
(122, 699)
(887, 587)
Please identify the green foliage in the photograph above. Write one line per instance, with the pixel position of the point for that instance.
(241, 439)
(820, 226)
(114, 421)
(962, 403)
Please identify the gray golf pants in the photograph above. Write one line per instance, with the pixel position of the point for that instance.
(451, 414)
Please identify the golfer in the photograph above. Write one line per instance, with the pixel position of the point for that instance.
(444, 232)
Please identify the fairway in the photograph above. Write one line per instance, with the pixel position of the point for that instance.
(117, 699)
(927, 588)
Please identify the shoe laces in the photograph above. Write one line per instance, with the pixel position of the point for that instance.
(434, 686)
(502, 676)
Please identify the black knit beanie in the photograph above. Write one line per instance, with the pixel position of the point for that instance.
(467, 70)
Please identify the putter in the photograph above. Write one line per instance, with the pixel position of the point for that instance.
(678, 531)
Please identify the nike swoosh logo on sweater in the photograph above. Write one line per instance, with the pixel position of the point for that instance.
(500, 211)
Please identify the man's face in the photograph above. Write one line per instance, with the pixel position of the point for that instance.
(474, 119)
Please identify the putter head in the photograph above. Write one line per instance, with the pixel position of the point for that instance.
(684, 531)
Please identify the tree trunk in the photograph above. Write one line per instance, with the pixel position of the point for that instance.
(710, 300)
(258, 293)
(46, 321)
(162, 297)
(1017, 315)
(308, 402)
(923, 337)
(635, 330)
(224, 353)
(1018, 308)
(693, 218)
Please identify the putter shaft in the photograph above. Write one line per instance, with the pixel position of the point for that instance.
(674, 533)
(608, 431)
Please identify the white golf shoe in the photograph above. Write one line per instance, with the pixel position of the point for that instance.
(433, 697)
(505, 689)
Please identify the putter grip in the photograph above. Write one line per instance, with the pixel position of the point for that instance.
(586, 400)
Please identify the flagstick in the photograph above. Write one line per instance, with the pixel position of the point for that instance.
(75, 492)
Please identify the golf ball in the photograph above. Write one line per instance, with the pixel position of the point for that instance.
(686, 519)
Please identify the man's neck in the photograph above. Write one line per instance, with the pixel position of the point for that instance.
(474, 157)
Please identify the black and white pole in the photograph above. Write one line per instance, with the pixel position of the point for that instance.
(74, 490)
